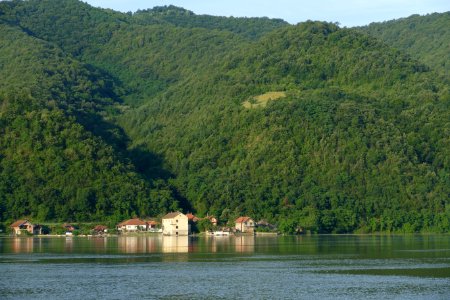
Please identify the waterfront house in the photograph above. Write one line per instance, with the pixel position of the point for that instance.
(245, 225)
(22, 226)
(132, 225)
(265, 225)
(212, 219)
(100, 229)
(69, 227)
(192, 218)
(175, 224)
(153, 226)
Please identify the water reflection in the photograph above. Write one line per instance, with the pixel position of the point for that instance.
(68, 246)
(175, 244)
(219, 244)
(341, 267)
(349, 246)
(136, 244)
(245, 243)
(22, 245)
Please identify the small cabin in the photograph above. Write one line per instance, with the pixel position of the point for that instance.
(212, 219)
(245, 225)
(21, 226)
(192, 218)
(100, 229)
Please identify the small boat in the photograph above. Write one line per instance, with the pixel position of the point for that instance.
(218, 233)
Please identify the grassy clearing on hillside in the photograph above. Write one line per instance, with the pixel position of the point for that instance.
(262, 100)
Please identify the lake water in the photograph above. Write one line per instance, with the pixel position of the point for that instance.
(286, 267)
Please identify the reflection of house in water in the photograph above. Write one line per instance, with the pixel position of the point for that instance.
(100, 243)
(245, 243)
(220, 243)
(139, 244)
(68, 246)
(22, 245)
(175, 244)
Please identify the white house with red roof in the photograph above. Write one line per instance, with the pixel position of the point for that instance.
(192, 218)
(21, 226)
(132, 225)
(245, 225)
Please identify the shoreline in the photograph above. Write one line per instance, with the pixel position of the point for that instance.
(198, 235)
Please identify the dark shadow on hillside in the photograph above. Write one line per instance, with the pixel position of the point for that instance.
(112, 134)
(149, 164)
(104, 102)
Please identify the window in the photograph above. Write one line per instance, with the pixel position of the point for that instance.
(177, 227)
(177, 221)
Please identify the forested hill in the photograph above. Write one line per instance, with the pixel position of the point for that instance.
(308, 126)
(426, 38)
(60, 157)
(247, 27)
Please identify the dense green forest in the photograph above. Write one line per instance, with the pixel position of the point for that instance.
(106, 115)
(426, 38)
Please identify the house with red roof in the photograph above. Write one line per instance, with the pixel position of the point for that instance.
(192, 218)
(21, 226)
(212, 219)
(132, 225)
(153, 226)
(244, 225)
(100, 229)
(69, 227)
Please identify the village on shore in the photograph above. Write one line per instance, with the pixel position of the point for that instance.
(172, 224)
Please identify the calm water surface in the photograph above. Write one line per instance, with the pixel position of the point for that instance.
(156, 267)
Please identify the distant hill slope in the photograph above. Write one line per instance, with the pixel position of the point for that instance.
(426, 38)
(58, 155)
(354, 138)
(248, 27)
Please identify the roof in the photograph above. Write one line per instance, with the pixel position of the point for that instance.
(172, 215)
(211, 218)
(242, 219)
(18, 223)
(100, 228)
(152, 223)
(135, 222)
(191, 217)
(263, 222)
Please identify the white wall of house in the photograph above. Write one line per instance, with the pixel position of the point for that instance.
(248, 226)
(177, 225)
(135, 227)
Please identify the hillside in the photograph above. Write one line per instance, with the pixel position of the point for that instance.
(308, 125)
(60, 158)
(426, 38)
(347, 140)
(252, 28)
